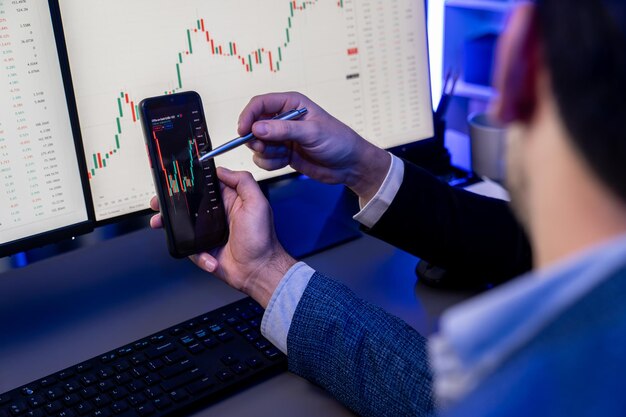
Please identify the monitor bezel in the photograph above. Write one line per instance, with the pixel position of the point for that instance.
(87, 225)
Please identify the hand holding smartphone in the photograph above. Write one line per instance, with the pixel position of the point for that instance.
(188, 189)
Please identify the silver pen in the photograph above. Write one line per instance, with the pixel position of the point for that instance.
(228, 146)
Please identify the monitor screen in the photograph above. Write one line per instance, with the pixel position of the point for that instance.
(43, 194)
(364, 61)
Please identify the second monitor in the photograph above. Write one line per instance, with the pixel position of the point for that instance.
(366, 62)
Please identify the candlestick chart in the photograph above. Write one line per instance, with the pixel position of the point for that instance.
(358, 60)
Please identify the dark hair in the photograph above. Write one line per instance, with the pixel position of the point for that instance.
(585, 47)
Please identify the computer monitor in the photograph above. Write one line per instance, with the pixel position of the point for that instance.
(365, 61)
(45, 194)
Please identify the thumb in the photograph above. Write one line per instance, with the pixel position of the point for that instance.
(242, 182)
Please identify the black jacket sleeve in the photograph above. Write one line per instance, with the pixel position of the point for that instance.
(473, 237)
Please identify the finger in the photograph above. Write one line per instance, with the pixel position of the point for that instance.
(154, 203)
(273, 103)
(270, 164)
(205, 262)
(300, 131)
(275, 152)
(156, 222)
(241, 181)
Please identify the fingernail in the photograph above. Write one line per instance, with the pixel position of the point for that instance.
(261, 129)
(210, 265)
(226, 170)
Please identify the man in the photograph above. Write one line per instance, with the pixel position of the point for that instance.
(552, 342)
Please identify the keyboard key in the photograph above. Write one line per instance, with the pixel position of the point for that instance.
(216, 328)
(201, 334)
(152, 379)
(178, 395)
(177, 369)
(158, 351)
(83, 367)
(191, 325)
(155, 365)
(225, 336)
(224, 375)
(146, 410)
(176, 356)
(46, 382)
(141, 345)
(110, 357)
(262, 344)
(177, 331)
(242, 328)
(36, 401)
(157, 339)
(122, 366)
(272, 353)
(63, 375)
(101, 413)
(71, 399)
(101, 400)
(122, 379)
(35, 413)
(84, 408)
(53, 407)
(255, 362)
(252, 336)
(202, 385)
(138, 359)
(256, 323)
(54, 393)
(162, 403)
(196, 348)
(239, 368)
(105, 373)
(88, 392)
(105, 386)
(187, 340)
(233, 321)
(136, 399)
(119, 407)
(181, 380)
(136, 386)
(88, 380)
(119, 393)
(71, 386)
(125, 351)
(18, 408)
(211, 342)
(139, 371)
(153, 392)
(27, 391)
(229, 360)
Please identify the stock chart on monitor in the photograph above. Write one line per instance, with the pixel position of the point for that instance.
(364, 61)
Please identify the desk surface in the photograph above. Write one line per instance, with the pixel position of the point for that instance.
(72, 307)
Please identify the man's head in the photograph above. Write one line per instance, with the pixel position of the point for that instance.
(561, 75)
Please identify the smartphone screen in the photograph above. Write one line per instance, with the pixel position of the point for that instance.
(188, 189)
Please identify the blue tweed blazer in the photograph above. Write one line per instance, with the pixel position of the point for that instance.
(377, 365)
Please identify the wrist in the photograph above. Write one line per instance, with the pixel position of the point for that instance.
(370, 173)
(263, 282)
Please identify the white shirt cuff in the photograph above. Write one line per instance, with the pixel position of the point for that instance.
(282, 306)
(377, 206)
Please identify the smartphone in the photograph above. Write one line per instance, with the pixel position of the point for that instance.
(189, 192)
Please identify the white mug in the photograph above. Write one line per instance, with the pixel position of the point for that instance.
(488, 146)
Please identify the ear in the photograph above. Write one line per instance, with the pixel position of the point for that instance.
(517, 66)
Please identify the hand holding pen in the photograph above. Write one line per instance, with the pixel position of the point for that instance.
(228, 146)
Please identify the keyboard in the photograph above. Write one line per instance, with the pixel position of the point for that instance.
(172, 372)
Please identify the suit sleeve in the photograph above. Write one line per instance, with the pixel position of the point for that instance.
(372, 362)
(471, 236)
